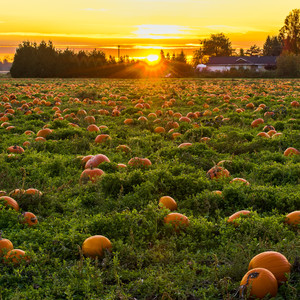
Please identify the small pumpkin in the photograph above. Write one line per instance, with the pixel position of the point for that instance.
(217, 172)
(91, 175)
(177, 220)
(96, 245)
(168, 202)
(102, 138)
(139, 162)
(241, 180)
(33, 191)
(258, 283)
(16, 256)
(273, 261)
(236, 215)
(257, 122)
(29, 218)
(44, 132)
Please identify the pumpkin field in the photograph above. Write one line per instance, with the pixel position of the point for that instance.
(149, 189)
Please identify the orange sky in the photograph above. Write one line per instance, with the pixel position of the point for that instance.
(141, 27)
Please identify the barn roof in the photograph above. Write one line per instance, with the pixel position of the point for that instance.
(242, 60)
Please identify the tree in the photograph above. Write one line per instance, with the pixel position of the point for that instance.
(272, 46)
(254, 50)
(217, 45)
(162, 55)
(290, 32)
(242, 52)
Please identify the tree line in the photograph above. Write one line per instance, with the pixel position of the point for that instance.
(5, 65)
(44, 61)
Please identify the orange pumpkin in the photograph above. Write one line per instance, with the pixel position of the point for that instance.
(293, 218)
(91, 175)
(15, 149)
(177, 220)
(92, 128)
(101, 138)
(5, 245)
(185, 145)
(236, 215)
(139, 162)
(32, 191)
(95, 245)
(260, 281)
(96, 160)
(168, 202)
(291, 151)
(273, 261)
(123, 148)
(44, 132)
(16, 256)
(29, 218)
(257, 122)
(217, 172)
(242, 180)
(9, 202)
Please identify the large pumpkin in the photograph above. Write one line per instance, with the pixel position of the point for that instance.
(139, 162)
(15, 149)
(96, 160)
(258, 283)
(29, 218)
(273, 261)
(5, 245)
(95, 246)
(9, 202)
(293, 218)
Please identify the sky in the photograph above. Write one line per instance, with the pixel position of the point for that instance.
(140, 27)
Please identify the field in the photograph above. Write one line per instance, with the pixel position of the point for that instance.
(184, 127)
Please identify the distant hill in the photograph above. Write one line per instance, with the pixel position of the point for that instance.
(5, 65)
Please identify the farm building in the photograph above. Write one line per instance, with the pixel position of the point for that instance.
(255, 63)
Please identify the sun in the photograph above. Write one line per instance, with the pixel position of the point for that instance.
(152, 58)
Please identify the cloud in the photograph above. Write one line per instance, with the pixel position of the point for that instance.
(155, 31)
(232, 29)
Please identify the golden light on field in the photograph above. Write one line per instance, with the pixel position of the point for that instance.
(152, 58)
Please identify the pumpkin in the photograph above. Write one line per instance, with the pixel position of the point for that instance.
(236, 215)
(96, 160)
(159, 130)
(273, 261)
(185, 145)
(91, 175)
(123, 148)
(293, 218)
(9, 202)
(85, 158)
(168, 202)
(257, 122)
(32, 191)
(291, 151)
(217, 172)
(263, 134)
(15, 149)
(92, 128)
(258, 283)
(16, 192)
(95, 245)
(44, 132)
(5, 245)
(242, 180)
(16, 256)
(177, 220)
(29, 218)
(101, 138)
(185, 119)
(139, 162)
(128, 121)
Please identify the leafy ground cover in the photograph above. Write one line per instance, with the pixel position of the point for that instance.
(185, 128)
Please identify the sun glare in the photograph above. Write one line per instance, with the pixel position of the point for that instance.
(152, 58)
